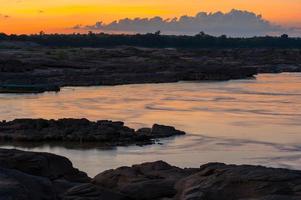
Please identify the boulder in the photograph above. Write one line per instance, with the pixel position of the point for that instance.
(165, 131)
(41, 164)
(145, 181)
(240, 182)
(45, 176)
(15, 185)
(214, 181)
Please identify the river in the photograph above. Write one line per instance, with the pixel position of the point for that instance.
(254, 121)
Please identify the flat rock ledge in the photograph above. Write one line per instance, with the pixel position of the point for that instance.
(39, 176)
(81, 130)
(26, 69)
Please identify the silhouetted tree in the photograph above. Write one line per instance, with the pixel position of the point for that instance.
(284, 36)
(158, 33)
(201, 40)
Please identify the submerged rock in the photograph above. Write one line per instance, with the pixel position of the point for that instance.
(81, 130)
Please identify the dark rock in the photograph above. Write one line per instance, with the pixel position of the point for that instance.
(233, 182)
(81, 130)
(145, 181)
(89, 191)
(61, 186)
(158, 131)
(41, 164)
(43, 176)
(103, 66)
(165, 131)
(15, 185)
(213, 181)
(144, 131)
(28, 88)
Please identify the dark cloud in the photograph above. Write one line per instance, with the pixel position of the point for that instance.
(233, 23)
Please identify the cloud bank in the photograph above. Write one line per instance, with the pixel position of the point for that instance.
(234, 23)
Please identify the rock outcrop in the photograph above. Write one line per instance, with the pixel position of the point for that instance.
(45, 165)
(85, 67)
(81, 130)
(146, 181)
(20, 186)
(35, 176)
(230, 182)
(214, 181)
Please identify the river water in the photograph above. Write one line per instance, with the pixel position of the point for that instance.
(255, 121)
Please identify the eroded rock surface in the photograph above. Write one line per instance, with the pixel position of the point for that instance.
(115, 66)
(46, 165)
(92, 192)
(230, 182)
(25, 176)
(81, 130)
(36, 176)
(145, 181)
(213, 181)
(15, 185)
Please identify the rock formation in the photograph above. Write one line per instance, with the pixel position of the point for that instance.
(35, 176)
(84, 67)
(81, 130)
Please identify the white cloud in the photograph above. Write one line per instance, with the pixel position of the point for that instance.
(233, 23)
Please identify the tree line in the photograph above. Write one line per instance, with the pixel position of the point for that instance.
(157, 40)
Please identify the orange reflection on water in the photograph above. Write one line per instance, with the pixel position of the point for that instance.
(241, 121)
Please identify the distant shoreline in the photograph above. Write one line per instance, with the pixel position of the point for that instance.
(151, 40)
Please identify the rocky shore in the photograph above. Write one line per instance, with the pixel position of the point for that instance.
(81, 130)
(57, 67)
(36, 176)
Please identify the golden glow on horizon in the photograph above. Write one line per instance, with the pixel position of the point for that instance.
(32, 16)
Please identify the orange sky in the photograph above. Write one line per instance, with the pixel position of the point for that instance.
(32, 16)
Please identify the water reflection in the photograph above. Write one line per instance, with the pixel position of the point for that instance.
(242, 121)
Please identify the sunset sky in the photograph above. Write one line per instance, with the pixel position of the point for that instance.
(32, 16)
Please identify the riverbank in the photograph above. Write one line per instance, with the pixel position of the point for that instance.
(31, 175)
(129, 65)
